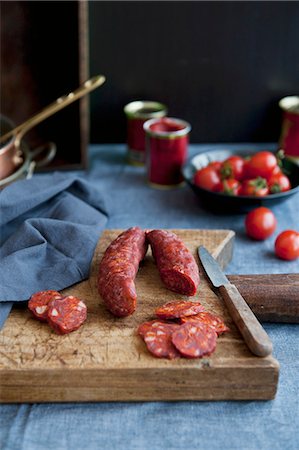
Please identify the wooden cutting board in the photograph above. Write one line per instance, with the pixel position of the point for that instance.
(106, 361)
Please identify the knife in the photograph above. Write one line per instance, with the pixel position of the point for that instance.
(252, 331)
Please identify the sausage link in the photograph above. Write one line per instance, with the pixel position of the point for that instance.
(177, 266)
(118, 269)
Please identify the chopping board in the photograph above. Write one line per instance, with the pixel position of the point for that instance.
(105, 360)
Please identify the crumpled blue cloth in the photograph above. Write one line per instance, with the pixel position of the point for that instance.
(49, 226)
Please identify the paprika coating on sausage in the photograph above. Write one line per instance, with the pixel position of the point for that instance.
(176, 264)
(118, 269)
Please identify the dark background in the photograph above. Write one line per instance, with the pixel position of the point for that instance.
(222, 66)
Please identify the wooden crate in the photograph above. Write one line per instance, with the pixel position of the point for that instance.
(44, 54)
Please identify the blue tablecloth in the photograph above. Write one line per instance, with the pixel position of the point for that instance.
(179, 425)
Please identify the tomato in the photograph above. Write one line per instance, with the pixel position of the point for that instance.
(257, 187)
(230, 187)
(276, 170)
(261, 164)
(215, 165)
(287, 245)
(233, 167)
(260, 223)
(279, 183)
(207, 178)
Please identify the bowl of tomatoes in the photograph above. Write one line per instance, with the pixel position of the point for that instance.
(230, 181)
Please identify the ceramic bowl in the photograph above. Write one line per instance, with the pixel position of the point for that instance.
(223, 203)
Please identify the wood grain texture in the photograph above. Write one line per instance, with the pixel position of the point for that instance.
(106, 361)
(272, 298)
(252, 331)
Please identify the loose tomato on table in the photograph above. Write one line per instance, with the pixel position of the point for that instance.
(256, 187)
(233, 167)
(230, 187)
(279, 182)
(260, 223)
(207, 178)
(287, 245)
(261, 164)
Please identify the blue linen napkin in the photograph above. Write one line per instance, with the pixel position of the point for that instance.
(49, 227)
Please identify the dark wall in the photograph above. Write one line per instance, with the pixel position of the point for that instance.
(222, 66)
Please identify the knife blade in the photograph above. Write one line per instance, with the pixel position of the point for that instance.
(252, 331)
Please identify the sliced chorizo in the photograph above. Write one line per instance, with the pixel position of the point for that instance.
(66, 314)
(213, 321)
(118, 269)
(176, 310)
(146, 326)
(158, 340)
(176, 264)
(194, 340)
(39, 303)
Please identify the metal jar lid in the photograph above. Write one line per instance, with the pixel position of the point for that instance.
(141, 109)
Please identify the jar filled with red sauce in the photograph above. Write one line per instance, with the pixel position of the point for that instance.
(167, 142)
(289, 138)
(138, 113)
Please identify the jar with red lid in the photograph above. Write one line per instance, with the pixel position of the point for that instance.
(167, 142)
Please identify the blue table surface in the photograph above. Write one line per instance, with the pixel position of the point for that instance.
(174, 425)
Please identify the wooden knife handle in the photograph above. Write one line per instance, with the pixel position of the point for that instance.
(252, 331)
(272, 298)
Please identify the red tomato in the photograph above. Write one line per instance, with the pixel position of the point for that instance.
(279, 183)
(257, 187)
(216, 165)
(287, 245)
(233, 167)
(207, 178)
(276, 170)
(260, 223)
(261, 164)
(230, 187)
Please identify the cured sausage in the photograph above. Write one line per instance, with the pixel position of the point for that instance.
(194, 340)
(213, 321)
(66, 314)
(118, 269)
(147, 326)
(39, 303)
(177, 266)
(158, 340)
(175, 310)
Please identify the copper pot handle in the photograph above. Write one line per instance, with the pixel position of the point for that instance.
(50, 149)
(51, 109)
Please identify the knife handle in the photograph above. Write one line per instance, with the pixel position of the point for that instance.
(252, 331)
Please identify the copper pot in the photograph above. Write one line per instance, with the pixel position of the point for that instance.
(17, 162)
(10, 156)
(11, 137)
